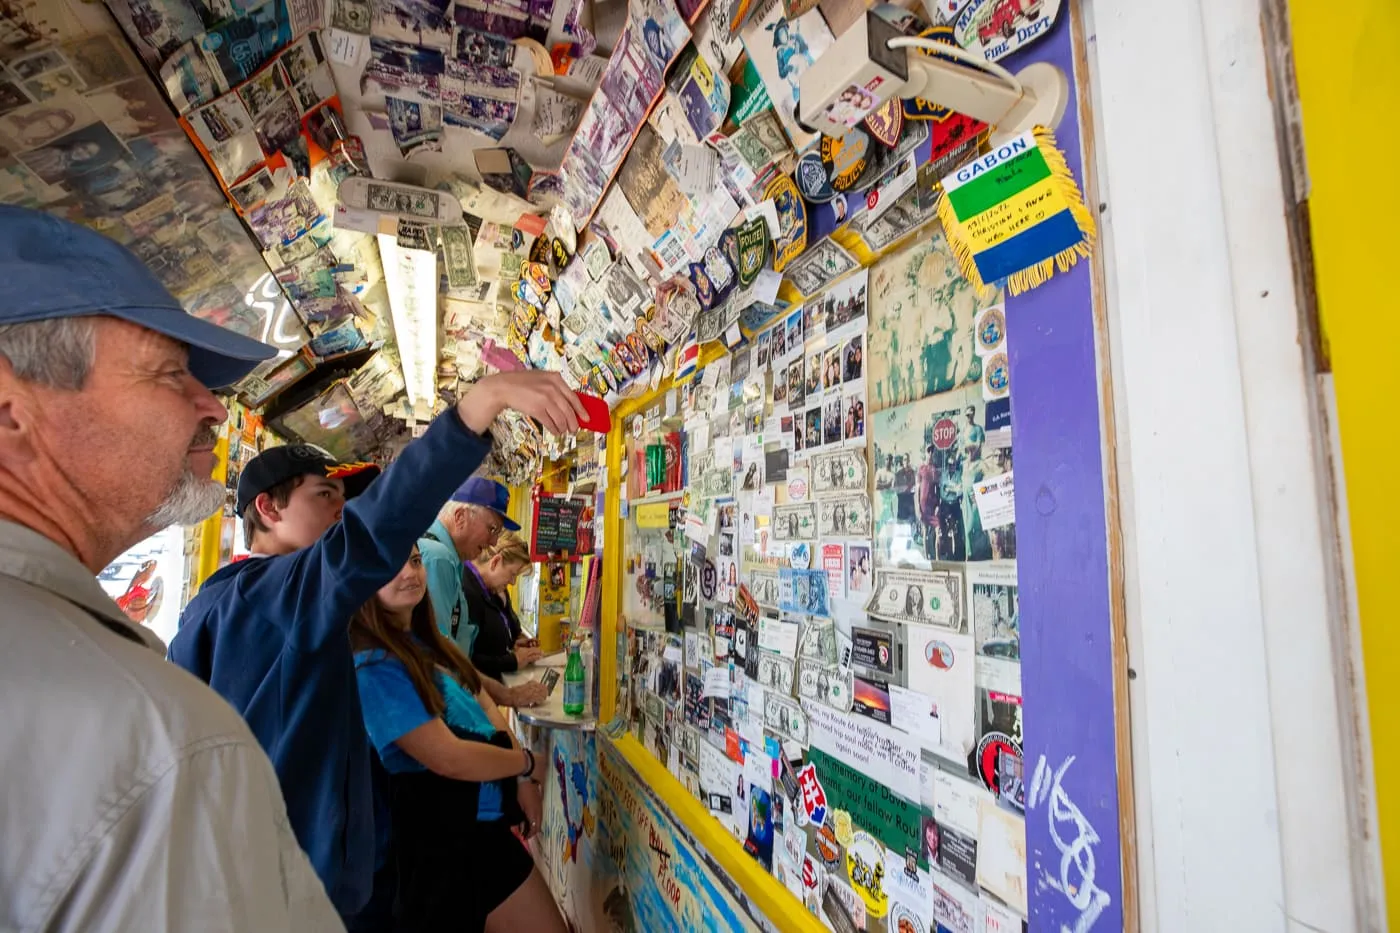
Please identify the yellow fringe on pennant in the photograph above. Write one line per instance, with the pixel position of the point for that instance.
(1039, 273)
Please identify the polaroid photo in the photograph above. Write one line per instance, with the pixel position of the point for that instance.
(255, 190)
(315, 89)
(263, 90)
(302, 58)
(225, 119)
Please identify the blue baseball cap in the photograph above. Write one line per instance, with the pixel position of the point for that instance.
(53, 268)
(488, 494)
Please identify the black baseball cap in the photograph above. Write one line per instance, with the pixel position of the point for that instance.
(53, 268)
(279, 464)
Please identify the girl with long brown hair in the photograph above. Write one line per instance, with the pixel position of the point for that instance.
(458, 781)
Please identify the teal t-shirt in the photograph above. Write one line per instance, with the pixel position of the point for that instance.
(444, 571)
(392, 709)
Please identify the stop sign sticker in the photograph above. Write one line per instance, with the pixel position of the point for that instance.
(945, 433)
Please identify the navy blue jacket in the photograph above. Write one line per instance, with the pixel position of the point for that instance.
(270, 635)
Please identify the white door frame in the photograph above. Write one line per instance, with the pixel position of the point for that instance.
(1242, 729)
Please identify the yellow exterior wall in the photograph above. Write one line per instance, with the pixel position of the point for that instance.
(1345, 54)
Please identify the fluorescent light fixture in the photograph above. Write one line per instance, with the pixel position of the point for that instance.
(411, 278)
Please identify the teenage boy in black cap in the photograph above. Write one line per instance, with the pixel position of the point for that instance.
(271, 633)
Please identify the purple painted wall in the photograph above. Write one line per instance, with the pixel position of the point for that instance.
(1074, 853)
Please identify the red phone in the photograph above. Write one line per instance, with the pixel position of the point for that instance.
(597, 417)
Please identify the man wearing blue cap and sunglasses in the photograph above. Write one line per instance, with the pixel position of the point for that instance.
(134, 797)
(471, 520)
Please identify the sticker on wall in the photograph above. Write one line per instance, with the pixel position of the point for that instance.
(990, 751)
(996, 377)
(792, 220)
(992, 29)
(827, 846)
(1016, 214)
(812, 179)
(813, 801)
(865, 866)
(989, 331)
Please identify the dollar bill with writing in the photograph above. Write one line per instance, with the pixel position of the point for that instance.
(809, 677)
(709, 325)
(775, 672)
(716, 482)
(763, 586)
(838, 471)
(784, 717)
(690, 742)
(395, 200)
(795, 522)
(847, 514)
(836, 688)
(817, 642)
(458, 258)
(928, 597)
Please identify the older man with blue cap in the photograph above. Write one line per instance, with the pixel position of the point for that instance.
(134, 797)
(471, 520)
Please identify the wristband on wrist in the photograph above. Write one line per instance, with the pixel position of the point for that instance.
(529, 763)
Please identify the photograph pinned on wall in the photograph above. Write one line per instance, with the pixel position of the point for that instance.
(482, 48)
(238, 46)
(264, 89)
(831, 419)
(12, 96)
(845, 306)
(763, 351)
(831, 368)
(781, 51)
(190, 80)
(813, 429)
(302, 58)
(52, 83)
(416, 127)
(920, 340)
(488, 116)
(813, 388)
(928, 456)
(279, 131)
(254, 190)
(996, 626)
(101, 59)
(793, 326)
(132, 109)
(859, 571)
(34, 125)
(853, 359)
(401, 65)
(87, 151)
(315, 89)
(853, 417)
(797, 383)
(418, 22)
(29, 67)
(221, 121)
(779, 342)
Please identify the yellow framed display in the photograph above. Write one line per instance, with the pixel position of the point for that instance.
(762, 888)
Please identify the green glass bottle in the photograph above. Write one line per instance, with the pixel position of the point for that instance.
(573, 681)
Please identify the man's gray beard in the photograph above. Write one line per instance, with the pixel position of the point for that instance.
(193, 499)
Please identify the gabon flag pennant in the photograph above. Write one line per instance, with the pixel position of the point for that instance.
(1016, 214)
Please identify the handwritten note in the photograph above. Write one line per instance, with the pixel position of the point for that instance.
(716, 682)
(886, 754)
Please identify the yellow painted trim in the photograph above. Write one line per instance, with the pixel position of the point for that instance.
(767, 893)
(211, 529)
(1348, 85)
(610, 608)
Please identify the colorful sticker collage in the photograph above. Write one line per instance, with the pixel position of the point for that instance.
(847, 700)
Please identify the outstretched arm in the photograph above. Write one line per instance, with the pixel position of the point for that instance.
(370, 544)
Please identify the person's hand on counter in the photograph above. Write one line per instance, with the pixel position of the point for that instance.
(531, 694)
(531, 798)
(527, 656)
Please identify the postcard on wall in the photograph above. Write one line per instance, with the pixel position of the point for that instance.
(781, 50)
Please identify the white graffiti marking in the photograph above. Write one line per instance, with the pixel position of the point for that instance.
(1076, 881)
